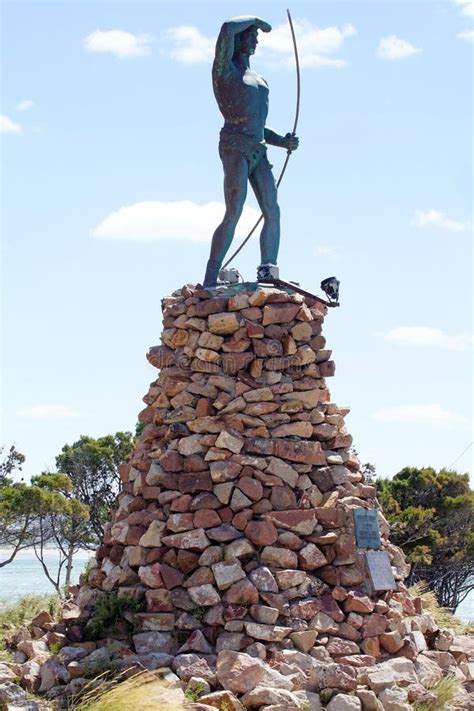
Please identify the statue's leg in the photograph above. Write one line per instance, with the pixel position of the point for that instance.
(235, 192)
(264, 187)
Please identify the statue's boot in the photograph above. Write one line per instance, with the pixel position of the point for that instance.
(212, 272)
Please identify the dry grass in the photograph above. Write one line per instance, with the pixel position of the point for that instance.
(445, 691)
(16, 614)
(144, 691)
(443, 616)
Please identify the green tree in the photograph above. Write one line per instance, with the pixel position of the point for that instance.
(432, 519)
(42, 515)
(11, 461)
(63, 524)
(92, 467)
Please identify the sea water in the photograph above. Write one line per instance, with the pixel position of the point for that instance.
(25, 576)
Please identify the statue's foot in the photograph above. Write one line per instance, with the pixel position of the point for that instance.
(268, 272)
(210, 278)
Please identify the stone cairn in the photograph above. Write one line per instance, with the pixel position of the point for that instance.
(234, 529)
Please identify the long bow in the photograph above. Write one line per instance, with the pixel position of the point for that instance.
(293, 133)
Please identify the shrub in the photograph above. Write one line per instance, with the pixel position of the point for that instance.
(109, 613)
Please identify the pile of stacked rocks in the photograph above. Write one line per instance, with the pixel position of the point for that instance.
(234, 528)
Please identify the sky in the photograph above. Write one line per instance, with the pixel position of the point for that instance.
(112, 188)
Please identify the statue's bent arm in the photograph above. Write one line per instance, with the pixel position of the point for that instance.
(225, 44)
(273, 138)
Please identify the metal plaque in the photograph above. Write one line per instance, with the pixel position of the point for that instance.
(366, 528)
(380, 571)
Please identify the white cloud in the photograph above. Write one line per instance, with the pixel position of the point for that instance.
(179, 220)
(25, 104)
(433, 414)
(189, 45)
(46, 412)
(324, 250)
(9, 126)
(393, 47)
(467, 35)
(435, 218)
(466, 6)
(315, 45)
(423, 336)
(122, 44)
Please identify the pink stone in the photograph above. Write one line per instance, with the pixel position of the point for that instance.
(206, 518)
(151, 576)
(261, 533)
(311, 558)
(250, 487)
(194, 540)
(242, 593)
(279, 313)
(301, 521)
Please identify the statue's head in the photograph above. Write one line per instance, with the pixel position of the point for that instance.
(246, 41)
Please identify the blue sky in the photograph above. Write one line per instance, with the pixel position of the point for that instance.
(109, 124)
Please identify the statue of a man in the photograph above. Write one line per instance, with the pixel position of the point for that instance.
(242, 97)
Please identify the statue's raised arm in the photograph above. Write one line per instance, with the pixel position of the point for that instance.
(225, 45)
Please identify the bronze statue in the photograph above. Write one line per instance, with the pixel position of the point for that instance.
(242, 97)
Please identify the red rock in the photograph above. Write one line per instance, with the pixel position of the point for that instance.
(161, 357)
(305, 609)
(241, 519)
(206, 518)
(226, 515)
(243, 593)
(241, 673)
(187, 561)
(172, 461)
(194, 540)
(151, 576)
(172, 577)
(261, 533)
(358, 660)
(250, 487)
(357, 602)
(330, 517)
(375, 625)
(311, 558)
(290, 540)
(224, 471)
(282, 498)
(371, 646)
(337, 646)
(267, 347)
(278, 557)
(180, 522)
(233, 362)
(195, 463)
(210, 306)
(279, 313)
(223, 533)
(307, 452)
(205, 500)
(302, 521)
(351, 575)
(191, 482)
(134, 534)
(327, 369)
(204, 407)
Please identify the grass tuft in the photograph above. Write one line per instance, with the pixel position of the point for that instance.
(15, 614)
(445, 691)
(144, 691)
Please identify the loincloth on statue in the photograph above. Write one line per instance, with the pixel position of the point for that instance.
(253, 151)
